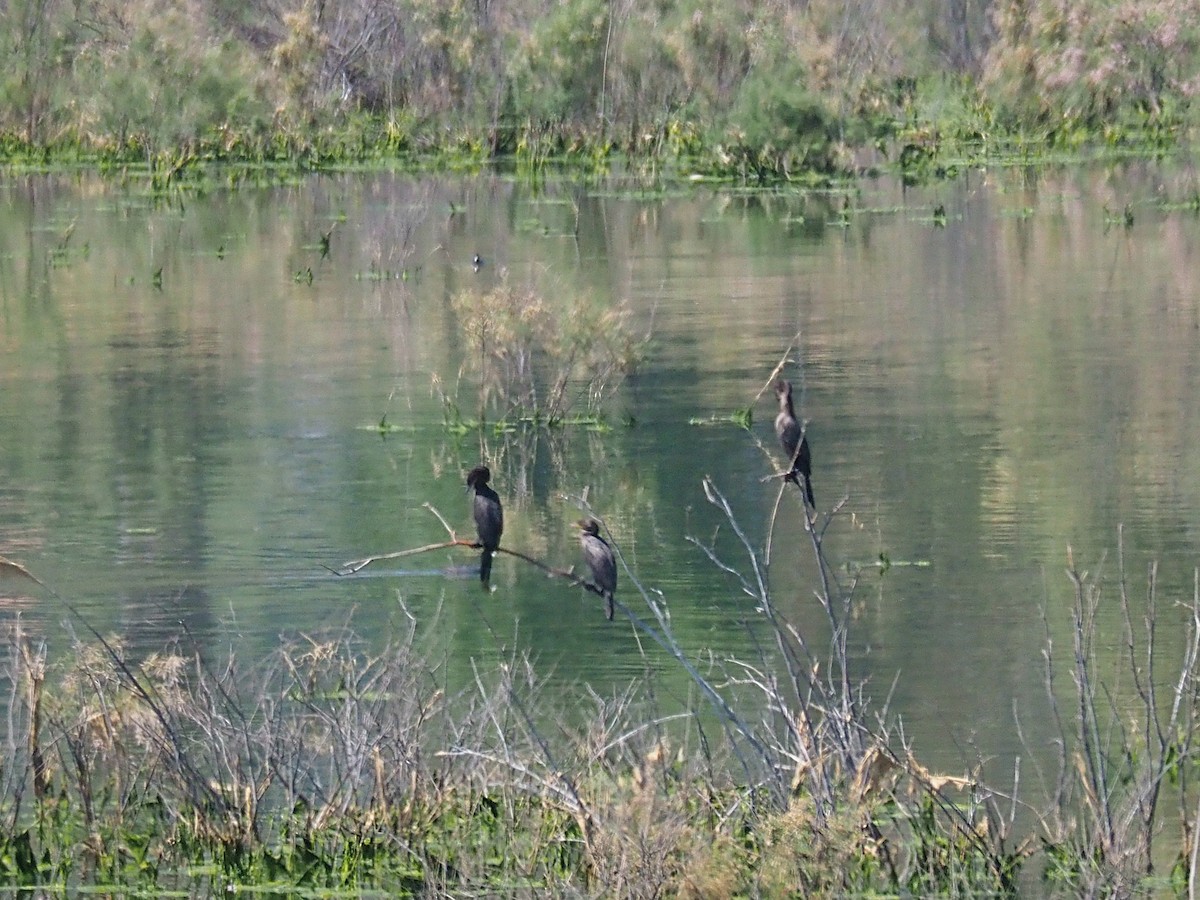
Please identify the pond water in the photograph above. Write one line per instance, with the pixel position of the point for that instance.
(993, 369)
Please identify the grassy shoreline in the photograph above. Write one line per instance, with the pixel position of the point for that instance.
(917, 151)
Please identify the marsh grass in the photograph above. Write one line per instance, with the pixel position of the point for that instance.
(330, 767)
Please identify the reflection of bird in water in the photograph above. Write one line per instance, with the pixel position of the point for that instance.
(600, 560)
(792, 438)
(489, 518)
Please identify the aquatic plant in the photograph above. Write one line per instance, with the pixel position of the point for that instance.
(535, 358)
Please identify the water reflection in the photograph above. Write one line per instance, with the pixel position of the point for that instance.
(183, 453)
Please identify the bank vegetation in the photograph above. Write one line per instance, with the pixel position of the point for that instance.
(719, 87)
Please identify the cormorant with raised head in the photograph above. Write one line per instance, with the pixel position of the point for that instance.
(489, 518)
(794, 442)
(600, 560)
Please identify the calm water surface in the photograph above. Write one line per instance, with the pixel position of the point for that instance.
(182, 452)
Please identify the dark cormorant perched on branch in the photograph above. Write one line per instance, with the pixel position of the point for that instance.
(600, 560)
(489, 518)
(794, 443)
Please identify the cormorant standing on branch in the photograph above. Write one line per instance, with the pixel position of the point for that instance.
(600, 560)
(794, 443)
(489, 518)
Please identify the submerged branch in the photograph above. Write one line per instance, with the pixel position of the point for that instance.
(354, 566)
(357, 565)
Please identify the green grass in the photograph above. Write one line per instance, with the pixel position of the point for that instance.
(938, 142)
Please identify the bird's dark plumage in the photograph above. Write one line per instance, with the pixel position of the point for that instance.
(794, 442)
(600, 561)
(489, 518)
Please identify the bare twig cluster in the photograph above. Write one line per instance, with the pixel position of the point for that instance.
(1125, 750)
(829, 757)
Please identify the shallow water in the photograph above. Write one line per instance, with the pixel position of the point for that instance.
(184, 451)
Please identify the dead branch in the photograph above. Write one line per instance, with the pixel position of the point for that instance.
(433, 509)
(357, 565)
(783, 361)
(8, 567)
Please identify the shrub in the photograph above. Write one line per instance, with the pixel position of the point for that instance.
(156, 77)
(777, 127)
(1065, 64)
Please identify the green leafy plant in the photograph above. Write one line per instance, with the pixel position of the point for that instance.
(778, 128)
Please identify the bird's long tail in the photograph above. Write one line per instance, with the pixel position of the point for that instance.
(608, 605)
(485, 567)
(808, 494)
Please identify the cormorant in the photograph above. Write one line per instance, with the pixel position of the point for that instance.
(600, 560)
(793, 440)
(489, 518)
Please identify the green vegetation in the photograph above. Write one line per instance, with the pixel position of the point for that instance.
(726, 88)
